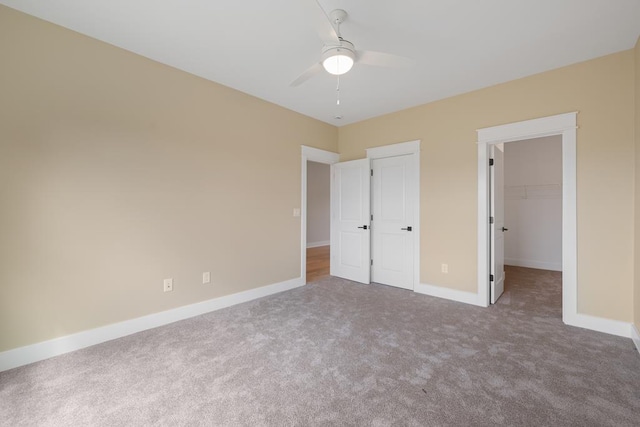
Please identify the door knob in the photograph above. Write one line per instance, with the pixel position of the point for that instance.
(364, 227)
(406, 229)
(505, 229)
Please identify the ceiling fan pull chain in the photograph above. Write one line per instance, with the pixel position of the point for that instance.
(338, 116)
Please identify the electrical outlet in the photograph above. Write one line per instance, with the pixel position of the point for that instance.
(206, 277)
(296, 211)
(445, 268)
(168, 285)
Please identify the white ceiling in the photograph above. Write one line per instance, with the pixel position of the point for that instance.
(261, 46)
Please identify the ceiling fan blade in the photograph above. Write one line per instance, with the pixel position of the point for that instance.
(381, 59)
(310, 72)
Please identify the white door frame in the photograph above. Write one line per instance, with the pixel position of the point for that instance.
(565, 126)
(400, 149)
(310, 154)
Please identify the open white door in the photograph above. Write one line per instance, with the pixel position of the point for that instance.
(497, 221)
(350, 220)
(392, 225)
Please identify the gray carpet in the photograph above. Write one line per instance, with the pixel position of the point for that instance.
(340, 353)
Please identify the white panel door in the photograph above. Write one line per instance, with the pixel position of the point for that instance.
(392, 224)
(497, 227)
(350, 220)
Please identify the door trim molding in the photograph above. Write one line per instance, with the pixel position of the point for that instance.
(310, 154)
(561, 124)
(401, 149)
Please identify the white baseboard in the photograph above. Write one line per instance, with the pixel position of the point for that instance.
(33, 353)
(635, 336)
(599, 324)
(540, 265)
(447, 293)
(318, 244)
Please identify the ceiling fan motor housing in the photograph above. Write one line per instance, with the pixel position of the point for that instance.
(345, 48)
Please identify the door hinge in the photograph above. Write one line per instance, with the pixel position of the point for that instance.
(371, 262)
(490, 162)
(491, 277)
(371, 172)
(372, 217)
(491, 220)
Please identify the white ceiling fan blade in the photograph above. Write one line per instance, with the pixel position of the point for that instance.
(310, 72)
(381, 59)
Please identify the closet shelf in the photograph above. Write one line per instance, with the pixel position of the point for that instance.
(544, 191)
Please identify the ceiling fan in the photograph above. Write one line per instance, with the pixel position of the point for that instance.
(338, 56)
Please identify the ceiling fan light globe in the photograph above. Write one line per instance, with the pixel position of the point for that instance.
(338, 60)
(337, 64)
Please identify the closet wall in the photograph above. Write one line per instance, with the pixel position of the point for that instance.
(533, 203)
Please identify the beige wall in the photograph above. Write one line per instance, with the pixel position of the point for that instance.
(600, 91)
(117, 172)
(637, 187)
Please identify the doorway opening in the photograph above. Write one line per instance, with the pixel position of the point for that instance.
(531, 198)
(318, 220)
(533, 203)
(319, 158)
(564, 126)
